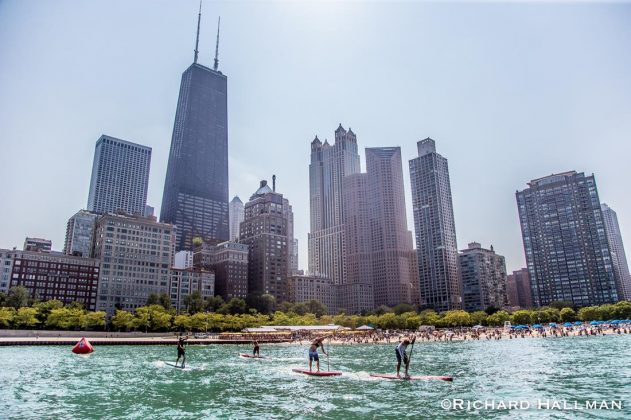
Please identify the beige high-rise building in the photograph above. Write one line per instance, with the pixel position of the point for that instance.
(136, 255)
(330, 164)
(379, 249)
(268, 232)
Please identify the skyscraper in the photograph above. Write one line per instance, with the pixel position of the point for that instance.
(196, 187)
(120, 177)
(329, 165)
(566, 246)
(483, 275)
(435, 229)
(378, 243)
(618, 256)
(267, 230)
(236, 217)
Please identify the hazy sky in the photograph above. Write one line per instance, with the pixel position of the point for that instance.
(510, 92)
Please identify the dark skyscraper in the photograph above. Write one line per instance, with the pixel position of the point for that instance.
(196, 188)
(564, 237)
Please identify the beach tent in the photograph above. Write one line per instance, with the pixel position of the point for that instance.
(365, 328)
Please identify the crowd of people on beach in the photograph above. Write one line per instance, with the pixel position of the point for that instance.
(462, 334)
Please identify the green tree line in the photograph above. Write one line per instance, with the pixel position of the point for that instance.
(215, 314)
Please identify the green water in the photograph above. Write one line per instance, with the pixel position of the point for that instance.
(134, 382)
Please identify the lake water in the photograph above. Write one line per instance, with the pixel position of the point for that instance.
(134, 382)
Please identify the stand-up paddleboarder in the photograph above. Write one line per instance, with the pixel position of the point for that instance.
(313, 352)
(402, 355)
(181, 351)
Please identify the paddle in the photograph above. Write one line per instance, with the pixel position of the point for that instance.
(407, 366)
(328, 365)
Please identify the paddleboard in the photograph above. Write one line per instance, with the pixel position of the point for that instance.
(251, 356)
(314, 373)
(173, 365)
(412, 378)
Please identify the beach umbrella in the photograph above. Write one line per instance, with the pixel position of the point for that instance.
(537, 326)
(552, 324)
(578, 323)
(567, 324)
(593, 323)
(365, 328)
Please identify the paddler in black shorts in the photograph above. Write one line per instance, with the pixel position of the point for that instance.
(257, 349)
(181, 351)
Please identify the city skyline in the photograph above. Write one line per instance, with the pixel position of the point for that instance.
(593, 109)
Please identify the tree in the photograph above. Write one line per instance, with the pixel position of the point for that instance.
(457, 318)
(93, 320)
(26, 317)
(165, 301)
(567, 315)
(3, 299)
(490, 310)
(213, 303)
(402, 308)
(622, 310)
(142, 318)
(65, 318)
(547, 314)
(498, 318)
(152, 299)
(589, 313)
(265, 303)
(159, 318)
(523, 317)
(194, 302)
(387, 321)
(478, 318)
(299, 309)
(234, 306)
(286, 307)
(382, 309)
(182, 322)
(429, 317)
(199, 321)
(607, 311)
(122, 320)
(44, 308)
(76, 305)
(18, 297)
(7, 316)
(316, 308)
(560, 304)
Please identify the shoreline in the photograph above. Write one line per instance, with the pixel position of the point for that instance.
(70, 338)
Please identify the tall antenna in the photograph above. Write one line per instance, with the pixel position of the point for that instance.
(199, 18)
(217, 46)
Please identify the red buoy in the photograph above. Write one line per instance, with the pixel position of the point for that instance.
(83, 347)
